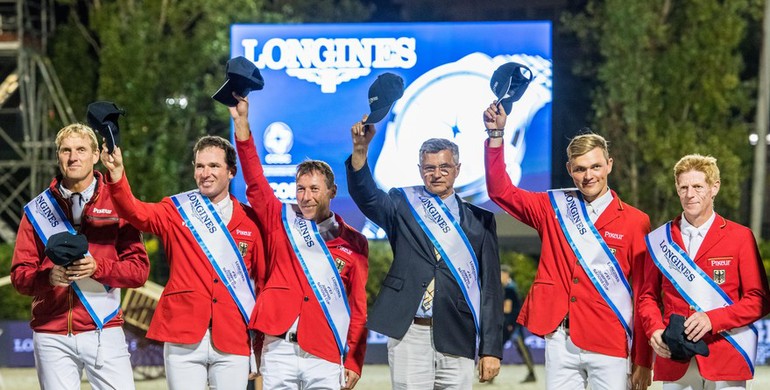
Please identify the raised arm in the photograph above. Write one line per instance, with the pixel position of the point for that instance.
(258, 191)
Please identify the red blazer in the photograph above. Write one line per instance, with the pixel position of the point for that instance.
(561, 285)
(287, 293)
(194, 296)
(121, 261)
(727, 247)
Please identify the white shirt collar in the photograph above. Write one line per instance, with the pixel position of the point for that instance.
(702, 229)
(329, 228)
(597, 207)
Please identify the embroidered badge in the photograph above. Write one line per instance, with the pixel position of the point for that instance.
(720, 261)
(613, 250)
(719, 276)
(243, 247)
(340, 264)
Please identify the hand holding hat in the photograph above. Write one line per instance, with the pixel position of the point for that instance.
(103, 117)
(241, 77)
(382, 94)
(681, 348)
(509, 82)
(64, 248)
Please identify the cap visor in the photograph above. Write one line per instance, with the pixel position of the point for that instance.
(225, 95)
(377, 115)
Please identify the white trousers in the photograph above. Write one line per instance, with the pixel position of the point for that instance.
(60, 360)
(693, 381)
(286, 366)
(192, 366)
(568, 367)
(415, 363)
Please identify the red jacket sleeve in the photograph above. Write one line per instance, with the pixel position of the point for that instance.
(131, 268)
(641, 352)
(521, 204)
(258, 191)
(147, 217)
(28, 274)
(357, 332)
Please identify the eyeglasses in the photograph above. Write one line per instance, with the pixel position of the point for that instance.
(443, 168)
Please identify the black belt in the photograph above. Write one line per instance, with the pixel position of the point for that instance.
(565, 322)
(424, 321)
(288, 336)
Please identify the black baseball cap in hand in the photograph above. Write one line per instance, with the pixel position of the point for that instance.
(103, 117)
(509, 82)
(681, 348)
(382, 94)
(64, 248)
(241, 77)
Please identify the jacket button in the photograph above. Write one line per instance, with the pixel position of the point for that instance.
(306, 299)
(692, 308)
(214, 300)
(573, 299)
(216, 280)
(575, 280)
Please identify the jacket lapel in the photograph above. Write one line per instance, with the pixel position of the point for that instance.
(713, 236)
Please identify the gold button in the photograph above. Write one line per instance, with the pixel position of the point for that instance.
(573, 299)
(575, 280)
(692, 308)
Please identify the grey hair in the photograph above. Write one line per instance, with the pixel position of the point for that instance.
(435, 145)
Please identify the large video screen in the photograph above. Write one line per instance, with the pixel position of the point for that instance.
(317, 78)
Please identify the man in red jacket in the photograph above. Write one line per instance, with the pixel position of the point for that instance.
(708, 270)
(592, 243)
(215, 254)
(312, 310)
(76, 320)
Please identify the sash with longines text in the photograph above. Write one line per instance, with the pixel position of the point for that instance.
(697, 288)
(218, 245)
(450, 241)
(321, 272)
(594, 255)
(102, 302)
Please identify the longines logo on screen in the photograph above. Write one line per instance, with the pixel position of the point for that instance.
(330, 62)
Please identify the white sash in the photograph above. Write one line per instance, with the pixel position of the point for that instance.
(450, 241)
(594, 255)
(697, 288)
(321, 272)
(102, 302)
(218, 245)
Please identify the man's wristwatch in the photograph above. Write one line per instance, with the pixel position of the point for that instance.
(495, 133)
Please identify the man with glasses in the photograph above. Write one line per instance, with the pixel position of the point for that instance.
(581, 300)
(707, 270)
(442, 292)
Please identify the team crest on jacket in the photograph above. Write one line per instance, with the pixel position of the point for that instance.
(613, 250)
(243, 247)
(340, 264)
(719, 276)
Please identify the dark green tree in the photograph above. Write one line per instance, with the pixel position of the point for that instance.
(161, 61)
(669, 83)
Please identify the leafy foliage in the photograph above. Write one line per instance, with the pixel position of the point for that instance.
(13, 306)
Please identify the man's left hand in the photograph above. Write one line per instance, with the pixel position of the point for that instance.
(351, 378)
(81, 269)
(696, 326)
(489, 367)
(641, 377)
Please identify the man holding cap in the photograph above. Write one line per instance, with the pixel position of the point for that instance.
(433, 316)
(76, 318)
(707, 269)
(312, 311)
(215, 254)
(588, 235)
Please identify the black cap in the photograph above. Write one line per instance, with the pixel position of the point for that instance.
(382, 94)
(64, 248)
(103, 117)
(241, 77)
(510, 79)
(681, 348)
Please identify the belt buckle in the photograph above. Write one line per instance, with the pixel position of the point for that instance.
(291, 337)
(424, 321)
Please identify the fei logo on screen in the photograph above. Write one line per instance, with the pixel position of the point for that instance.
(317, 78)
